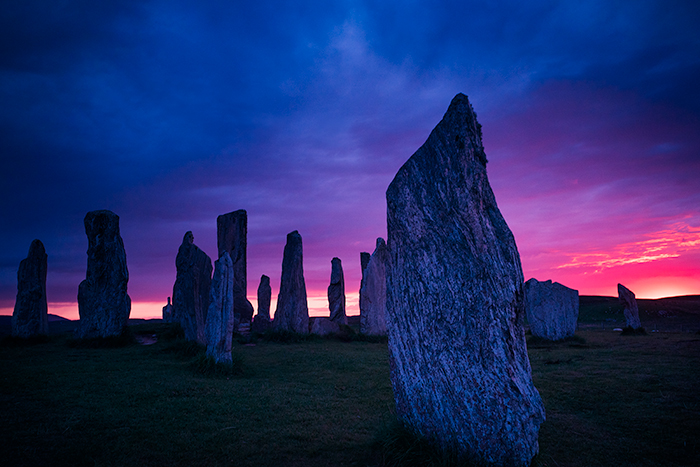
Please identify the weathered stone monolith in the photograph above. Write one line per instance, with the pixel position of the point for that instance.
(232, 236)
(364, 261)
(103, 303)
(324, 327)
(191, 289)
(261, 322)
(220, 316)
(168, 312)
(30, 316)
(336, 293)
(460, 370)
(551, 309)
(373, 292)
(628, 298)
(292, 312)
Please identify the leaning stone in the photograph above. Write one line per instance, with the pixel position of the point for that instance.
(373, 292)
(551, 309)
(30, 316)
(103, 303)
(220, 316)
(324, 327)
(292, 312)
(232, 236)
(191, 289)
(261, 323)
(460, 370)
(168, 312)
(627, 297)
(336, 293)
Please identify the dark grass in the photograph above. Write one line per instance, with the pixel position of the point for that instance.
(630, 331)
(613, 401)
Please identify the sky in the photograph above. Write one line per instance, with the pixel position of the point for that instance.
(170, 113)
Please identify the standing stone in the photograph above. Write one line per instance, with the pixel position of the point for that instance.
(324, 327)
(220, 316)
(336, 293)
(373, 292)
(30, 317)
(628, 298)
(459, 365)
(168, 312)
(103, 303)
(551, 309)
(191, 289)
(292, 312)
(364, 261)
(262, 323)
(232, 236)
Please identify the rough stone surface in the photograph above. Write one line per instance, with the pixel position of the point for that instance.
(30, 316)
(336, 293)
(168, 312)
(191, 289)
(364, 261)
(103, 304)
(628, 298)
(551, 309)
(262, 323)
(292, 312)
(324, 326)
(220, 316)
(232, 236)
(373, 292)
(459, 364)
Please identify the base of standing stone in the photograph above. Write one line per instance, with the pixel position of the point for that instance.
(630, 331)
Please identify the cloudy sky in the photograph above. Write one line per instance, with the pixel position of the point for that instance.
(170, 113)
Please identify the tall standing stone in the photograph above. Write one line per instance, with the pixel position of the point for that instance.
(232, 236)
(292, 312)
(628, 298)
(460, 370)
(336, 293)
(551, 309)
(220, 316)
(168, 312)
(103, 303)
(191, 289)
(262, 323)
(373, 292)
(30, 316)
(364, 261)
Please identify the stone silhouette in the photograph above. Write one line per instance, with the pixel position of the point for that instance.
(232, 236)
(220, 316)
(628, 298)
(168, 312)
(324, 327)
(191, 289)
(460, 370)
(336, 293)
(364, 261)
(262, 323)
(373, 292)
(30, 316)
(292, 312)
(103, 302)
(551, 309)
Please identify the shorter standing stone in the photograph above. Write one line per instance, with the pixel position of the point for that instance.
(30, 317)
(168, 312)
(364, 261)
(336, 293)
(103, 303)
(220, 316)
(261, 323)
(292, 312)
(373, 292)
(628, 298)
(324, 327)
(551, 309)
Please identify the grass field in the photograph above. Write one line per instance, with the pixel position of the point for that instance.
(610, 401)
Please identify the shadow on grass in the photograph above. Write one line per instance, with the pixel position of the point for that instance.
(346, 334)
(537, 342)
(14, 341)
(630, 331)
(125, 339)
(207, 366)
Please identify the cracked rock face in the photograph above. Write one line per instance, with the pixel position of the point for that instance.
(220, 315)
(30, 316)
(628, 298)
(232, 236)
(551, 308)
(459, 365)
(336, 293)
(191, 289)
(103, 303)
(292, 312)
(373, 292)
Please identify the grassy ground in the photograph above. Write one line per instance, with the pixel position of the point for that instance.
(610, 400)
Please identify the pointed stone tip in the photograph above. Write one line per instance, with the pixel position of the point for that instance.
(380, 242)
(188, 237)
(36, 247)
